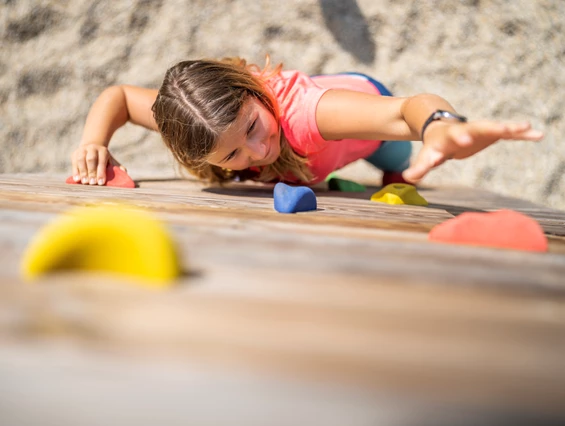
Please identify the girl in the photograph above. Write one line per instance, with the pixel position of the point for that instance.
(226, 120)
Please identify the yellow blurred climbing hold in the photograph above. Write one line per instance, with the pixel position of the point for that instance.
(116, 239)
(399, 193)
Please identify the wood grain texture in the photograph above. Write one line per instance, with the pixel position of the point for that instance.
(350, 295)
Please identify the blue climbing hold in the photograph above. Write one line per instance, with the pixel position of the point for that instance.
(294, 199)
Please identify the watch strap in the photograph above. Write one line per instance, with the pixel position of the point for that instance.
(441, 115)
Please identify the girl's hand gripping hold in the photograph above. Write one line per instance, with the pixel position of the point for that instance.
(89, 164)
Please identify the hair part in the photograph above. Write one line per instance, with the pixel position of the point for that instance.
(199, 100)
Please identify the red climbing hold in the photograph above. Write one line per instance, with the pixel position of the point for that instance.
(394, 177)
(502, 229)
(114, 177)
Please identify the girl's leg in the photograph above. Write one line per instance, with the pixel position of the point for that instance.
(392, 156)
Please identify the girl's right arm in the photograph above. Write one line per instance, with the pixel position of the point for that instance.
(343, 114)
(114, 107)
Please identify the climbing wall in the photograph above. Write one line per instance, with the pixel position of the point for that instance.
(349, 307)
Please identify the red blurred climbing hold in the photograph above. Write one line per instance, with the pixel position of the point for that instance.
(502, 229)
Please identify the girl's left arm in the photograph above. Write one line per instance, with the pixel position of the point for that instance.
(344, 114)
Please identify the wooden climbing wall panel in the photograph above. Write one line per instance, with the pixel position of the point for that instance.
(348, 307)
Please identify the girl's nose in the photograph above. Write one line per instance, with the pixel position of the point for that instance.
(257, 150)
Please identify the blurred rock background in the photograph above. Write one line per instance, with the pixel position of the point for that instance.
(489, 58)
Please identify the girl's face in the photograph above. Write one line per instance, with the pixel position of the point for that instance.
(252, 140)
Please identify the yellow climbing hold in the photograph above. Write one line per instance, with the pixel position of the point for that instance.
(116, 239)
(399, 193)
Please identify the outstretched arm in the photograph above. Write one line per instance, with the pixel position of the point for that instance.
(343, 114)
(112, 109)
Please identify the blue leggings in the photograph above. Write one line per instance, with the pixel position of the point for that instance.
(391, 156)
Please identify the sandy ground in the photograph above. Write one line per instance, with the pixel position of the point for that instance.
(489, 58)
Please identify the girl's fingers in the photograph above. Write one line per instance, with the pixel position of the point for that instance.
(76, 172)
(500, 130)
(518, 127)
(529, 135)
(103, 157)
(487, 129)
(414, 174)
(425, 161)
(89, 164)
(92, 165)
(82, 170)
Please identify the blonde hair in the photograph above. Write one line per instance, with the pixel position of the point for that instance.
(199, 100)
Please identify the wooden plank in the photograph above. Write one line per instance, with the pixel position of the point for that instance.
(65, 385)
(352, 294)
(465, 347)
(257, 201)
(211, 241)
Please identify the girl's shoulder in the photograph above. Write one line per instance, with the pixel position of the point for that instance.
(293, 88)
(290, 79)
(297, 96)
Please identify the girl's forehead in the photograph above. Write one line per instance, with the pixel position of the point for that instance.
(249, 106)
(234, 135)
(251, 103)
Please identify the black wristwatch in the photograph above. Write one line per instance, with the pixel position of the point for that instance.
(442, 115)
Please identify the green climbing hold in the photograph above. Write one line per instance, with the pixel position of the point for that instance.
(338, 184)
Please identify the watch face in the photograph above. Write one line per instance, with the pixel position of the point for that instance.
(446, 115)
